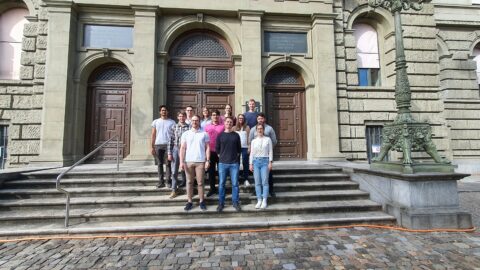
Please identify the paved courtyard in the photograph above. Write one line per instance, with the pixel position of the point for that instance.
(345, 248)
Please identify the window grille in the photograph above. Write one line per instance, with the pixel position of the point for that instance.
(374, 141)
(184, 75)
(283, 76)
(3, 145)
(217, 76)
(201, 46)
(116, 74)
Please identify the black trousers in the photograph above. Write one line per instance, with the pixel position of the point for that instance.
(270, 182)
(161, 157)
(212, 170)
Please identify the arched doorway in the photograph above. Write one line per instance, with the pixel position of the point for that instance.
(285, 104)
(200, 72)
(108, 111)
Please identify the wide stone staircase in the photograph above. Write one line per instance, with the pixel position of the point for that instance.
(106, 201)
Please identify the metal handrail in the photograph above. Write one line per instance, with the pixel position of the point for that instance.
(59, 177)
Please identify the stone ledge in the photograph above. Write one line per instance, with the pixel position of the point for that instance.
(423, 176)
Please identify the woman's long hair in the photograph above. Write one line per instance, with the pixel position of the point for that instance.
(238, 126)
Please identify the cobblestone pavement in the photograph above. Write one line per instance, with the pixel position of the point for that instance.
(354, 248)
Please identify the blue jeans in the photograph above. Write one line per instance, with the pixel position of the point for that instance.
(223, 170)
(245, 163)
(175, 166)
(260, 174)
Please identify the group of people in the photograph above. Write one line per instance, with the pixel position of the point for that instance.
(214, 142)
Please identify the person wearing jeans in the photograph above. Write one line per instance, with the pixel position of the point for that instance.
(261, 157)
(228, 148)
(176, 132)
(267, 132)
(243, 131)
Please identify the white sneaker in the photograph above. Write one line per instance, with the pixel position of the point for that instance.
(259, 204)
(247, 184)
(264, 204)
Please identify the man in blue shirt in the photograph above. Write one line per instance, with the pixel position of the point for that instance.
(251, 114)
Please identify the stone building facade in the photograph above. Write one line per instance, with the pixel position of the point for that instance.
(90, 71)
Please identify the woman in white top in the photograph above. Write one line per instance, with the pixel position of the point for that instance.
(243, 130)
(261, 156)
(228, 113)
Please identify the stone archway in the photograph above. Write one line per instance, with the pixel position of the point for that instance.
(285, 109)
(108, 110)
(200, 72)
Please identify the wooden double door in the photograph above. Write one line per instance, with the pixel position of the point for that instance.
(213, 99)
(286, 114)
(108, 112)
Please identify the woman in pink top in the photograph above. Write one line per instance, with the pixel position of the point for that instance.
(213, 130)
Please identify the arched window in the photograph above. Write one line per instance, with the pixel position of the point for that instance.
(368, 59)
(11, 34)
(476, 54)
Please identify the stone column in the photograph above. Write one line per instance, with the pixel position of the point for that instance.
(144, 73)
(323, 112)
(251, 61)
(60, 42)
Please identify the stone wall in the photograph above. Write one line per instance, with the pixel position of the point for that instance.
(363, 106)
(21, 101)
(458, 33)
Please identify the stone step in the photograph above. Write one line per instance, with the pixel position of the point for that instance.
(78, 216)
(24, 193)
(164, 200)
(152, 172)
(151, 181)
(218, 224)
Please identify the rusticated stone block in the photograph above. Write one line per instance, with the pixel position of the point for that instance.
(30, 29)
(25, 159)
(29, 44)
(40, 56)
(43, 14)
(24, 147)
(38, 89)
(39, 71)
(31, 132)
(23, 116)
(12, 160)
(42, 27)
(26, 72)
(27, 58)
(22, 102)
(19, 90)
(5, 101)
(42, 42)
(14, 132)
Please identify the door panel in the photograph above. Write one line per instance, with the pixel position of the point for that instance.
(285, 115)
(111, 117)
(179, 100)
(218, 100)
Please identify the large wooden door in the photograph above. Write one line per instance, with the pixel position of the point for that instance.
(200, 72)
(213, 99)
(285, 103)
(109, 112)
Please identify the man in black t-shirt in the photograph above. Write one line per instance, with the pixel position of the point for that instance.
(228, 148)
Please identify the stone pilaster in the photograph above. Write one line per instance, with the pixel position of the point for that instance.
(323, 114)
(251, 62)
(57, 81)
(143, 92)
